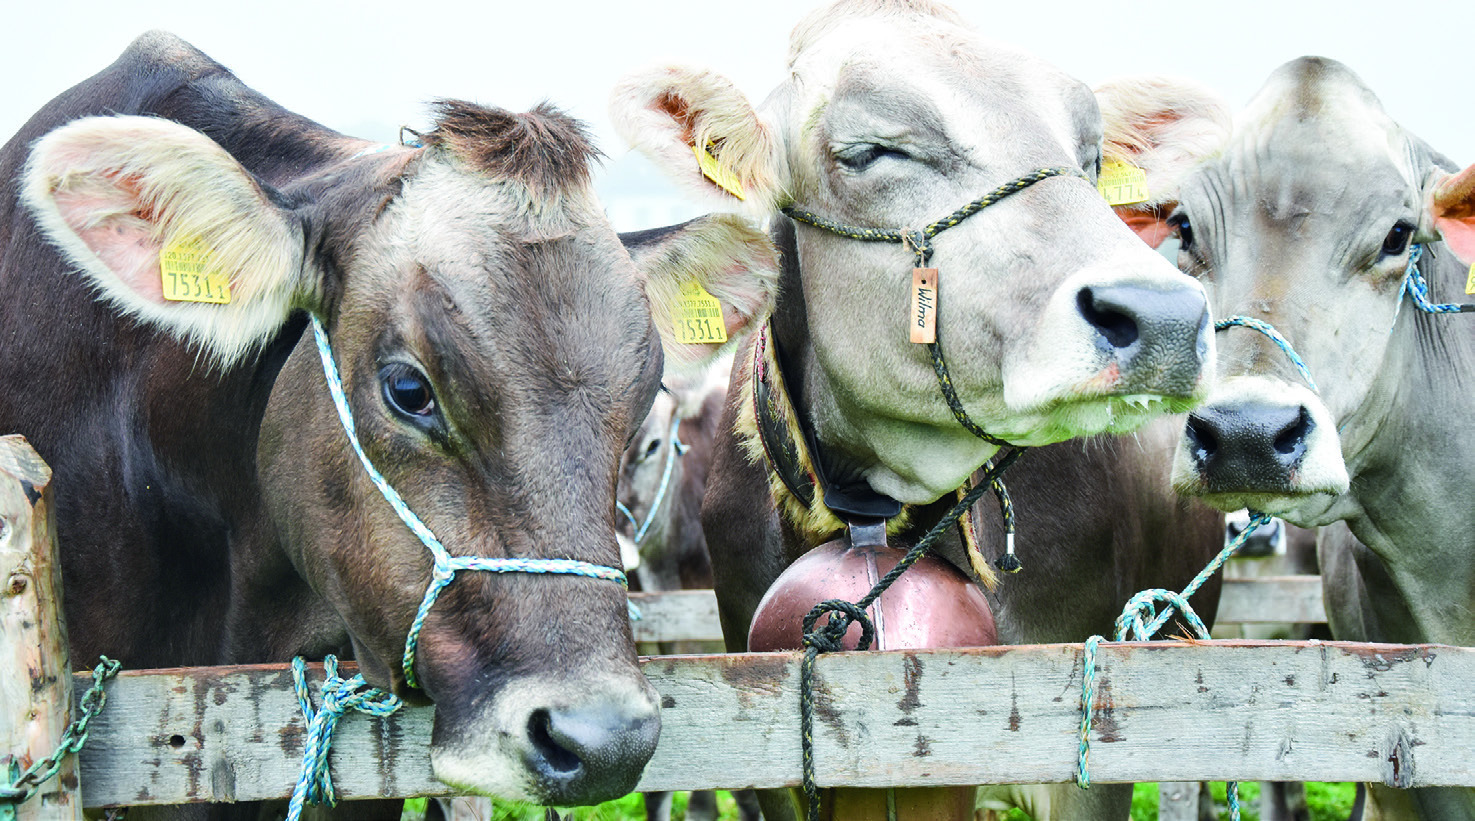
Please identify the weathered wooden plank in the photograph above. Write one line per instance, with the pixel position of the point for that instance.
(1272, 599)
(691, 615)
(35, 677)
(1168, 711)
(683, 615)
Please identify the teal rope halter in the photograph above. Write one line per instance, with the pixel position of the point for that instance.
(444, 565)
(315, 784)
(1280, 342)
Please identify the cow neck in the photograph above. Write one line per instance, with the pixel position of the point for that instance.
(1415, 446)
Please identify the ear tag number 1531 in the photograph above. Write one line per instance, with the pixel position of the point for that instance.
(699, 316)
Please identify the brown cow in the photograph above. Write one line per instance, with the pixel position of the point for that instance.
(497, 349)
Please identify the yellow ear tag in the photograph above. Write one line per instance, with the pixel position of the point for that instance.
(1122, 183)
(719, 174)
(699, 316)
(188, 275)
(1470, 281)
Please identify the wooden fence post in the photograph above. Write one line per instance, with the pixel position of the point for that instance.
(35, 676)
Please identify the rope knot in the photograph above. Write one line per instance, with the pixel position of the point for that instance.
(828, 639)
(916, 241)
(315, 784)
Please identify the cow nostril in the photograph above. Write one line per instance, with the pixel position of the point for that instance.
(559, 758)
(1201, 437)
(1292, 437)
(1116, 327)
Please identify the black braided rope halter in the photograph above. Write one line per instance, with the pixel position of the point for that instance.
(828, 638)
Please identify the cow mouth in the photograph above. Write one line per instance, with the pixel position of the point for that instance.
(1087, 415)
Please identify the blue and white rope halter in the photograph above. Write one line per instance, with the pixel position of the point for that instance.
(1417, 289)
(444, 565)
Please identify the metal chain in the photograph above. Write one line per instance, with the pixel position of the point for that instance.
(72, 739)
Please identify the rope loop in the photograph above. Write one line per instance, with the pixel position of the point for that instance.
(1417, 288)
(828, 638)
(1141, 620)
(339, 695)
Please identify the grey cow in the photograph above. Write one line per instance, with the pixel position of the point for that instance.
(1308, 220)
(1056, 321)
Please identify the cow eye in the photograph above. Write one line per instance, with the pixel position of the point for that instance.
(1397, 239)
(407, 390)
(650, 450)
(1181, 224)
(860, 156)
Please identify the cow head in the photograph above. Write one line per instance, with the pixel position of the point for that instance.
(1306, 220)
(1054, 320)
(497, 349)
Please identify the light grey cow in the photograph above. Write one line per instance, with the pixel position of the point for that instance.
(1308, 220)
(1055, 321)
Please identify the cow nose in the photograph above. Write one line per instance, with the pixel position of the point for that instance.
(593, 752)
(1156, 337)
(1248, 447)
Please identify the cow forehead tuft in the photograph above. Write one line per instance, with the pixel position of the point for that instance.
(544, 149)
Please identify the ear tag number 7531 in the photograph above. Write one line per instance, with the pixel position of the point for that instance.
(188, 274)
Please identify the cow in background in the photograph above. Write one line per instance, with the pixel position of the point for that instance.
(165, 232)
(1310, 219)
(663, 475)
(893, 114)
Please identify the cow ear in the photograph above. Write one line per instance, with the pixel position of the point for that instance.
(1452, 207)
(703, 133)
(1164, 126)
(730, 259)
(169, 228)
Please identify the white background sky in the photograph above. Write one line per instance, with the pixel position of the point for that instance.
(367, 67)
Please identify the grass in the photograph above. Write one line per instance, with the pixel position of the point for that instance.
(1326, 802)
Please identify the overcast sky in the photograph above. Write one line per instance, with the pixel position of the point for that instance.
(367, 67)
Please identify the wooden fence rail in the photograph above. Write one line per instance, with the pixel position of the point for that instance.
(1167, 711)
(691, 615)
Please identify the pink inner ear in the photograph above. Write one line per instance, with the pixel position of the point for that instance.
(1453, 209)
(108, 224)
(1459, 236)
(1148, 225)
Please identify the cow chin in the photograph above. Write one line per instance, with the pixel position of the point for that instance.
(552, 741)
